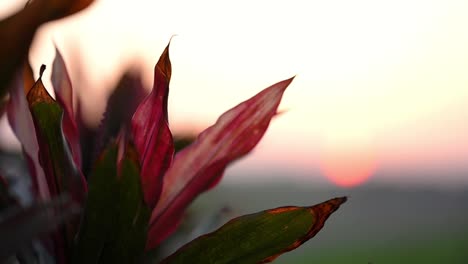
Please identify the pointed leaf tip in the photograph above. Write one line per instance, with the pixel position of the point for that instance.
(61, 83)
(64, 95)
(259, 237)
(41, 70)
(62, 173)
(151, 133)
(164, 64)
(38, 93)
(200, 166)
(22, 124)
(331, 205)
(289, 80)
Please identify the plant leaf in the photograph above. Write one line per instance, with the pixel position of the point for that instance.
(259, 237)
(20, 28)
(59, 8)
(54, 154)
(20, 120)
(62, 174)
(200, 165)
(121, 105)
(182, 141)
(19, 226)
(150, 129)
(116, 217)
(6, 199)
(64, 95)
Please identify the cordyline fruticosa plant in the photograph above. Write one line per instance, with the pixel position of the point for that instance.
(137, 189)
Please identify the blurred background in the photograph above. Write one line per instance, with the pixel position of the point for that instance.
(378, 110)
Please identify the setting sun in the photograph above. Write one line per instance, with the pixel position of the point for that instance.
(347, 168)
(376, 81)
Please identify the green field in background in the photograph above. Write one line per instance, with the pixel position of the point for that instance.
(452, 250)
(380, 224)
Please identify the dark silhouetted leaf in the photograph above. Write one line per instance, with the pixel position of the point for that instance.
(116, 217)
(150, 129)
(6, 200)
(200, 165)
(18, 30)
(182, 141)
(121, 105)
(259, 237)
(61, 8)
(64, 95)
(19, 226)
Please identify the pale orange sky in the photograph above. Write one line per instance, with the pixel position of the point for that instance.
(384, 83)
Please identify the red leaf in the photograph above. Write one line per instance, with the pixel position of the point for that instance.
(200, 165)
(64, 95)
(20, 120)
(152, 137)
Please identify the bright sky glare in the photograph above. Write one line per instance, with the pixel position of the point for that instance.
(383, 83)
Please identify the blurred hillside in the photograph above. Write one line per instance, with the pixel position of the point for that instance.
(380, 223)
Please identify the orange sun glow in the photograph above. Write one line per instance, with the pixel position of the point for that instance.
(348, 159)
(347, 168)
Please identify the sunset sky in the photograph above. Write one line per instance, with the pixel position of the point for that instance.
(380, 86)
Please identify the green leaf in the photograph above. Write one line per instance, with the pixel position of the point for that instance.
(54, 153)
(259, 237)
(116, 218)
(61, 173)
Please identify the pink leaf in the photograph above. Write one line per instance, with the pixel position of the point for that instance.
(150, 129)
(64, 95)
(20, 120)
(200, 165)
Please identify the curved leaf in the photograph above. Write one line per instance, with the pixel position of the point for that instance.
(259, 237)
(19, 30)
(56, 9)
(150, 129)
(200, 166)
(21, 122)
(60, 170)
(54, 154)
(64, 95)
